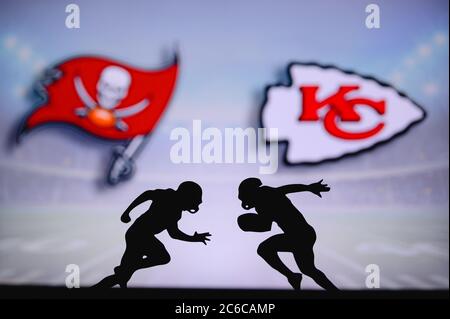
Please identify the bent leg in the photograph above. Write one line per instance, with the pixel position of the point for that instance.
(138, 255)
(304, 258)
(107, 282)
(122, 273)
(128, 265)
(156, 254)
(269, 249)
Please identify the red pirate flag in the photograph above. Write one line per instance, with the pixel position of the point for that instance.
(107, 99)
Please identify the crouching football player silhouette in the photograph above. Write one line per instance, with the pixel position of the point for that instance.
(143, 249)
(272, 205)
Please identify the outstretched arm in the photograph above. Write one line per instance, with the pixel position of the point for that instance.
(176, 233)
(315, 188)
(145, 196)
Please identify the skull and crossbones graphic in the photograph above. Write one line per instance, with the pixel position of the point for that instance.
(112, 88)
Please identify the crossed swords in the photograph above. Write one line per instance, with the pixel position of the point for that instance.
(122, 164)
(90, 104)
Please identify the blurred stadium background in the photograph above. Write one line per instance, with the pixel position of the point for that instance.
(387, 207)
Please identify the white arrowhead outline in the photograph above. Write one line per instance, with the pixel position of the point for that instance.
(348, 154)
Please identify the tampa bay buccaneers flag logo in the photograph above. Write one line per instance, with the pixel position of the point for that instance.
(108, 99)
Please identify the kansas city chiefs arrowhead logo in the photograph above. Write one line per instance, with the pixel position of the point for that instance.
(326, 113)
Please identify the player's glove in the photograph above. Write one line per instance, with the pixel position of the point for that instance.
(317, 188)
(202, 237)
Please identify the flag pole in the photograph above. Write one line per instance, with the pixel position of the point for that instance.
(122, 164)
